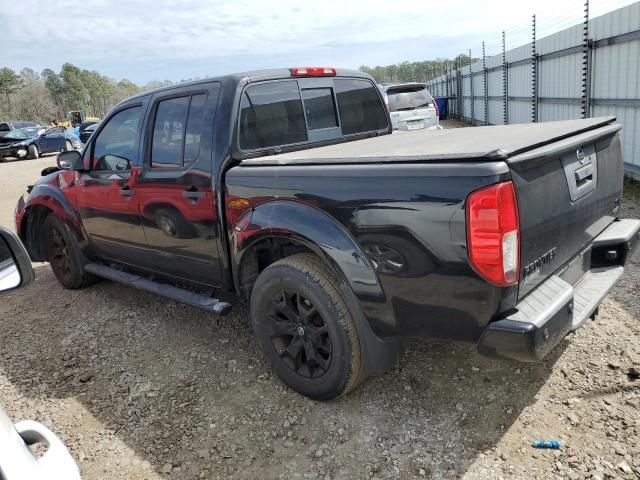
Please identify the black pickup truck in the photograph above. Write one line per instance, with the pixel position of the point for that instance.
(286, 188)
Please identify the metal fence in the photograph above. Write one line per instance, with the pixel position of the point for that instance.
(588, 70)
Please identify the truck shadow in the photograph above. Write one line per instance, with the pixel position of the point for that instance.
(169, 382)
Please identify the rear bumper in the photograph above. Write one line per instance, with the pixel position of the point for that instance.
(557, 307)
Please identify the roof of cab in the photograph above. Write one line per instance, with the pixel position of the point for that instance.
(250, 76)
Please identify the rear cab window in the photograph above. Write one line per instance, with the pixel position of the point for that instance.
(306, 110)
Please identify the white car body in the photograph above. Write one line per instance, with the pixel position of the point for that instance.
(18, 462)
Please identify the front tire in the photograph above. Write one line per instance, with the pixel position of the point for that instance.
(64, 255)
(33, 152)
(304, 328)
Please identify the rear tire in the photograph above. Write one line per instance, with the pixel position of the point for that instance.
(304, 328)
(64, 255)
(34, 153)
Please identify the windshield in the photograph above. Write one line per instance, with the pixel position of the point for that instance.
(22, 133)
(408, 98)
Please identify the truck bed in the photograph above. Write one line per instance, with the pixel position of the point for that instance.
(460, 144)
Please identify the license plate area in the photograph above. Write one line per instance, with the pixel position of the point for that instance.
(581, 170)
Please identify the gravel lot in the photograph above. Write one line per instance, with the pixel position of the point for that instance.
(143, 388)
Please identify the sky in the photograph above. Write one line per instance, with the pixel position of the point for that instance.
(145, 40)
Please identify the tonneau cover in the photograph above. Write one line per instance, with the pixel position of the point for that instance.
(456, 144)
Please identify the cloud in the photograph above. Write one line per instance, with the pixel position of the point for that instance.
(157, 39)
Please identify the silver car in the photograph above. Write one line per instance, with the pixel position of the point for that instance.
(411, 106)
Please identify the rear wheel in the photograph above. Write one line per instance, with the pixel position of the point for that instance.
(64, 255)
(33, 152)
(304, 328)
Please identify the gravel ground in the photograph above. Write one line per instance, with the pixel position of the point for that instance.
(143, 388)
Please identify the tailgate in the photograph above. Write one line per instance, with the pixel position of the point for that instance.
(568, 192)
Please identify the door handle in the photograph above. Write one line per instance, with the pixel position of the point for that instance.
(583, 175)
(127, 192)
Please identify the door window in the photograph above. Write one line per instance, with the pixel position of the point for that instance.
(195, 128)
(54, 131)
(177, 131)
(116, 146)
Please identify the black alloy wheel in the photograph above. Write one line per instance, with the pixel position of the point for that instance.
(299, 334)
(64, 255)
(59, 255)
(306, 332)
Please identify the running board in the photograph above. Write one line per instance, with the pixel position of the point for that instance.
(174, 293)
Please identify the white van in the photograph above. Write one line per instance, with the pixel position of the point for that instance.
(411, 106)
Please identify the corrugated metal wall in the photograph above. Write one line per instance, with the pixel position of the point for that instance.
(614, 80)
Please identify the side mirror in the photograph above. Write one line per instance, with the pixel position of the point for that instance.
(71, 160)
(15, 265)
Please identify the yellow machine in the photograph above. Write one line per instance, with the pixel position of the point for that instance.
(73, 120)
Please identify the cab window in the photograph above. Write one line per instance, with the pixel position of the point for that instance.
(178, 131)
(320, 108)
(359, 106)
(271, 115)
(116, 146)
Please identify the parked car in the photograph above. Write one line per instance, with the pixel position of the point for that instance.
(6, 127)
(285, 188)
(87, 131)
(17, 461)
(411, 106)
(31, 142)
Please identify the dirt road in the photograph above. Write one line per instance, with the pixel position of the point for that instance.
(143, 388)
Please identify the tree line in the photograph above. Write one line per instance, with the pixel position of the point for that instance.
(47, 95)
(416, 71)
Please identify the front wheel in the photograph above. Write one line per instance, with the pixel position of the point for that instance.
(304, 328)
(33, 152)
(64, 255)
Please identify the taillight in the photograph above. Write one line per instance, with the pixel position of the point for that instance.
(313, 72)
(435, 105)
(493, 233)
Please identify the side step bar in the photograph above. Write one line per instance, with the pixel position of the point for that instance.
(174, 293)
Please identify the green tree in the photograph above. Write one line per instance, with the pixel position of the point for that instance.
(10, 82)
(55, 86)
(76, 93)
